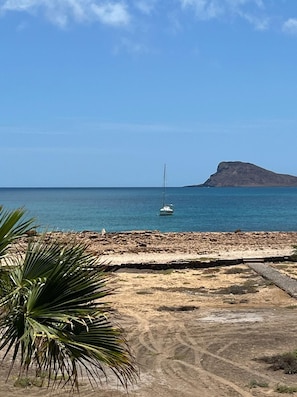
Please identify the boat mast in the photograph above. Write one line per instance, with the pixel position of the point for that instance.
(164, 184)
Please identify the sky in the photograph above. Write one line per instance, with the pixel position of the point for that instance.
(103, 93)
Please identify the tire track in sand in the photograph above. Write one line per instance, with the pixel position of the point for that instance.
(175, 358)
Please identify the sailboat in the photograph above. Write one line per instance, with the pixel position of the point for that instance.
(167, 209)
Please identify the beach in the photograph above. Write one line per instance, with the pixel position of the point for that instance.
(153, 246)
(193, 331)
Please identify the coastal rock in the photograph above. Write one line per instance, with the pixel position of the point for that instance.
(211, 244)
(240, 174)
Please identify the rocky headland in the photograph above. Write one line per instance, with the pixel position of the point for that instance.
(240, 174)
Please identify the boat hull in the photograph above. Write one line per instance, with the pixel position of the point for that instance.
(166, 210)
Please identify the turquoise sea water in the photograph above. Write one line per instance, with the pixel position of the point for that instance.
(125, 209)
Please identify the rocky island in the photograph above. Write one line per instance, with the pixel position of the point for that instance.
(240, 174)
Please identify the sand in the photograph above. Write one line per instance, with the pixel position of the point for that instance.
(194, 332)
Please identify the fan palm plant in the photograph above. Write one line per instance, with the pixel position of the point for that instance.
(13, 225)
(53, 315)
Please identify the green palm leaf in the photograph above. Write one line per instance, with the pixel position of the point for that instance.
(12, 226)
(54, 317)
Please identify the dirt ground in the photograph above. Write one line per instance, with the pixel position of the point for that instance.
(198, 332)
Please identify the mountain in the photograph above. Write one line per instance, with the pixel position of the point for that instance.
(237, 173)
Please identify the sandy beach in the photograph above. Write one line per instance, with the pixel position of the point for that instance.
(194, 332)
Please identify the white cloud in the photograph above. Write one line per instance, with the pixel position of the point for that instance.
(111, 13)
(257, 22)
(290, 26)
(214, 9)
(121, 13)
(145, 6)
(62, 12)
(236, 3)
(204, 9)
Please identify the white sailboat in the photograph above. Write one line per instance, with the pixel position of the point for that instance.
(167, 209)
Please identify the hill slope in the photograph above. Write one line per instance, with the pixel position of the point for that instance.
(239, 174)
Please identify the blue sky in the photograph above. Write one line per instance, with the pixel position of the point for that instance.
(103, 93)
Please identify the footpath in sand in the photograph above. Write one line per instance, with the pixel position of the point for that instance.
(196, 332)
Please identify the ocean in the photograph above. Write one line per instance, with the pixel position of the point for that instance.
(127, 209)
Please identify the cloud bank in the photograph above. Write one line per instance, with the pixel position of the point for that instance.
(62, 12)
(123, 13)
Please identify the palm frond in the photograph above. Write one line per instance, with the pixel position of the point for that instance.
(55, 315)
(12, 226)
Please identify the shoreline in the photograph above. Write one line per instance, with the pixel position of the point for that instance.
(146, 247)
